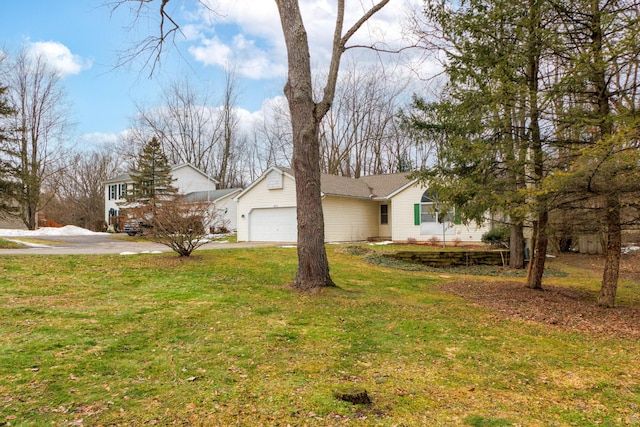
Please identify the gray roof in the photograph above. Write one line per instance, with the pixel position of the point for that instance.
(213, 195)
(122, 177)
(366, 187)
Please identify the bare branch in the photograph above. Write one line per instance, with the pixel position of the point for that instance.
(152, 47)
(339, 43)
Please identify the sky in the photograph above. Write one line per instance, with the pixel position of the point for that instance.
(85, 40)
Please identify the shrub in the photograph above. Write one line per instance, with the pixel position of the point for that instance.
(497, 237)
(180, 225)
(434, 241)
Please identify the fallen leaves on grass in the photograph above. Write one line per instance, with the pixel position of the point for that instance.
(567, 308)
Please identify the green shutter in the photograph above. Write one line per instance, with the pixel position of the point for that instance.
(416, 214)
(456, 218)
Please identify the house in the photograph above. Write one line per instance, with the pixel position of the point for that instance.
(391, 207)
(223, 208)
(190, 181)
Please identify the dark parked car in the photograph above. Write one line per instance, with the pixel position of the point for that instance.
(136, 226)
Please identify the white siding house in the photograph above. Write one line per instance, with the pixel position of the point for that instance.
(389, 207)
(223, 209)
(190, 181)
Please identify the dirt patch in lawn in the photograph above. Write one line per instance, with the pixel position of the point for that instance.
(558, 306)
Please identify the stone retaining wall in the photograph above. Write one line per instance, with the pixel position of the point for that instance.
(454, 258)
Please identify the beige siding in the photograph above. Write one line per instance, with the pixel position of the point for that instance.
(347, 220)
(403, 227)
(261, 196)
(471, 232)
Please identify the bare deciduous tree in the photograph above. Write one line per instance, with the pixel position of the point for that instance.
(184, 122)
(194, 131)
(77, 194)
(272, 136)
(361, 135)
(39, 124)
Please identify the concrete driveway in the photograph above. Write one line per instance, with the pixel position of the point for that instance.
(103, 243)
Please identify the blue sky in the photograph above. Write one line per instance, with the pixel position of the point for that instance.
(85, 40)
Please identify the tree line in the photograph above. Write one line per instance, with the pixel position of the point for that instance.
(43, 171)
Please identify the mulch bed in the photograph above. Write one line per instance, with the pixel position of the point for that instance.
(561, 307)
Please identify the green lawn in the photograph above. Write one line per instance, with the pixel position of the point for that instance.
(220, 339)
(9, 244)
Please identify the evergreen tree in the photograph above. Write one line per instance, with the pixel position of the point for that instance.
(485, 128)
(7, 176)
(151, 175)
(540, 114)
(600, 57)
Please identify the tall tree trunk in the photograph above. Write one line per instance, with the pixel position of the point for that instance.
(608, 290)
(539, 255)
(539, 251)
(313, 265)
(516, 246)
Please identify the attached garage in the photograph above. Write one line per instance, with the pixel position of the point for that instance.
(377, 206)
(273, 225)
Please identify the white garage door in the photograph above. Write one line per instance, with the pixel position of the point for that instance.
(273, 225)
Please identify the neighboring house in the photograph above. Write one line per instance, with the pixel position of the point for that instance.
(190, 181)
(389, 207)
(223, 210)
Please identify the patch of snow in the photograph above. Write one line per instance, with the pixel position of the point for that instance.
(630, 249)
(67, 230)
(386, 242)
(140, 253)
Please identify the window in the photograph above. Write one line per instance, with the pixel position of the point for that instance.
(112, 192)
(122, 191)
(427, 212)
(384, 214)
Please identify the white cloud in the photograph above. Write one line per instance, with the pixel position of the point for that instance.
(59, 57)
(257, 48)
(99, 139)
(241, 54)
(212, 52)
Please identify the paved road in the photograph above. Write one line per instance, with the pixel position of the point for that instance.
(104, 243)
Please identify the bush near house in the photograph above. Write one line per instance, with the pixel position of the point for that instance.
(497, 237)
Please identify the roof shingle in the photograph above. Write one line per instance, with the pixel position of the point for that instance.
(366, 187)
